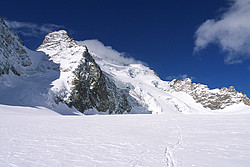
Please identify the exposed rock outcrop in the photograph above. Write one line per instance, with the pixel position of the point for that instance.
(82, 84)
(213, 99)
(92, 89)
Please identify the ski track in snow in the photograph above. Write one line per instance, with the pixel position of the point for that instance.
(36, 137)
(169, 157)
(169, 151)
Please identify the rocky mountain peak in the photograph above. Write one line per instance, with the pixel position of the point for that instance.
(58, 40)
(185, 85)
(232, 89)
(82, 84)
(213, 99)
(62, 49)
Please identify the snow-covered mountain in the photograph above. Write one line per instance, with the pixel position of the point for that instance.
(141, 84)
(16, 58)
(25, 75)
(82, 83)
(97, 79)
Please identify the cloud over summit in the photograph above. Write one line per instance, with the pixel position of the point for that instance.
(231, 32)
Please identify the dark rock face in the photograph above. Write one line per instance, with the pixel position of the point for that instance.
(92, 89)
(13, 56)
(213, 99)
(85, 86)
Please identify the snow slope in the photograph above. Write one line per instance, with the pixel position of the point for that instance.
(32, 90)
(40, 137)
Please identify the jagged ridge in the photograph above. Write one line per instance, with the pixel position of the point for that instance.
(213, 99)
(18, 59)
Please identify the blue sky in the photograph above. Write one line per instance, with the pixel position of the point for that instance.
(207, 40)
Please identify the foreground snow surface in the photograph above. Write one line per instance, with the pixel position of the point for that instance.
(41, 137)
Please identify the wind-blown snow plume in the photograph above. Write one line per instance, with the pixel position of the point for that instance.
(31, 29)
(231, 32)
(107, 52)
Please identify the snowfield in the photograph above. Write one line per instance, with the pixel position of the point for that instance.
(41, 137)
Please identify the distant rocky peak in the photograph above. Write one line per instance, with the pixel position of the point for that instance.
(181, 82)
(185, 85)
(210, 98)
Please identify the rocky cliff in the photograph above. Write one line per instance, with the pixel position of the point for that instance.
(82, 83)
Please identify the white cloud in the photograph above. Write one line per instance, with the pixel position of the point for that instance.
(31, 29)
(106, 52)
(231, 32)
(179, 77)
